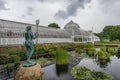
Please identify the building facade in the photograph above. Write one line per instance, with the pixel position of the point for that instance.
(12, 33)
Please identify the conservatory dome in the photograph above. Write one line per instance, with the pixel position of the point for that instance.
(71, 24)
(72, 27)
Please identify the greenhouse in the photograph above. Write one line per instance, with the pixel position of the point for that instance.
(79, 34)
(12, 32)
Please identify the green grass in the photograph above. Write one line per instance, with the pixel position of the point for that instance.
(61, 56)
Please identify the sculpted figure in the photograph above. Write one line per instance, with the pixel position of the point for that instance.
(29, 46)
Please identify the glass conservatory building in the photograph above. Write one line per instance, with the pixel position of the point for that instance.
(12, 32)
(78, 34)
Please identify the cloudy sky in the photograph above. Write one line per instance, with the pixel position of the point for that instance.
(87, 13)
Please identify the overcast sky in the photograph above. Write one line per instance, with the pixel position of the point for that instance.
(86, 13)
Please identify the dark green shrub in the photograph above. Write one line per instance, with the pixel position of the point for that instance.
(61, 56)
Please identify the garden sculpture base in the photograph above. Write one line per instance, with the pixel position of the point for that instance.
(28, 73)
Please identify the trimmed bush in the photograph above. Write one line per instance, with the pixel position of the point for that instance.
(61, 56)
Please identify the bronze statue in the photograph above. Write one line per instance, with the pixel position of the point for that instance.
(29, 46)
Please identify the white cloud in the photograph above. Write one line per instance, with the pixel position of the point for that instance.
(96, 14)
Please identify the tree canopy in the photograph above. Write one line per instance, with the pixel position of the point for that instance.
(54, 25)
(110, 33)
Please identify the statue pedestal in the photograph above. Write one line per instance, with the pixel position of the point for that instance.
(27, 73)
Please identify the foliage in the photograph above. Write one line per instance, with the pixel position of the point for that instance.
(101, 76)
(89, 45)
(103, 55)
(18, 52)
(45, 48)
(81, 72)
(90, 51)
(40, 78)
(4, 58)
(52, 52)
(79, 50)
(61, 56)
(103, 48)
(111, 32)
(113, 51)
(104, 63)
(54, 25)
(14, 59)
(43, 61)
(36, 47)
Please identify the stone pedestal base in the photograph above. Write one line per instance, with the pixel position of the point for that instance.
(27, 73)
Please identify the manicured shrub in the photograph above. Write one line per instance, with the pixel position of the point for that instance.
(61, 56)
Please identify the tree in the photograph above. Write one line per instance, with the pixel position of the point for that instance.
(53, 25)
(110, 32)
